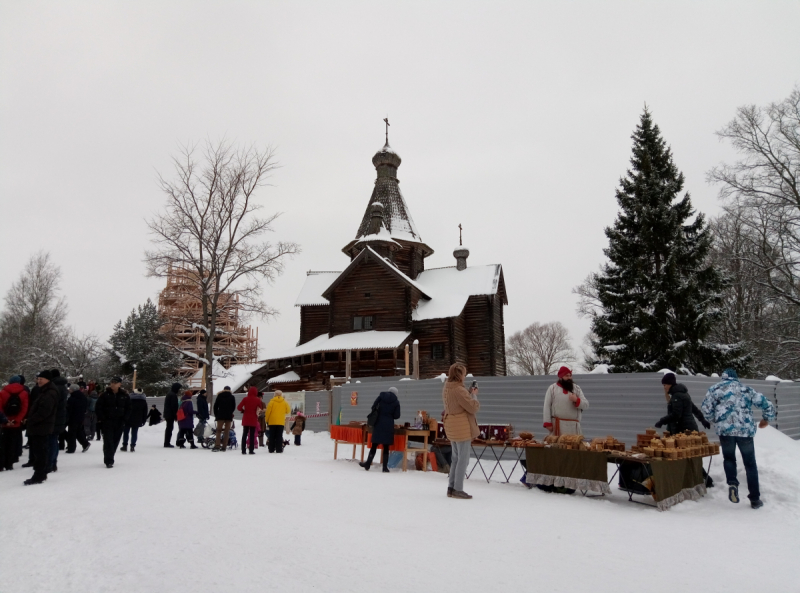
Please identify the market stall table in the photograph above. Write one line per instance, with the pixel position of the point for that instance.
(349, 435)
(493, 446)
(672, 480)
(567, 468)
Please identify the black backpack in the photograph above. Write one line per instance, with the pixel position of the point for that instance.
(13, 405)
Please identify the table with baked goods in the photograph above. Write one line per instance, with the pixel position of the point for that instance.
(668, 469)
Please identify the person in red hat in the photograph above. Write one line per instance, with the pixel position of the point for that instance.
(564, 403)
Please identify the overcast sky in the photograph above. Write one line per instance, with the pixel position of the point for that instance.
(512, 118)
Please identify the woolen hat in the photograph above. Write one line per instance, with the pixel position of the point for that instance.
(55, 373)
(394, 390)
(74, 387)
(668, 379)
(176, 387)
(188, 392)
(116, 379)
(15, 379)
(563, 371)
(44, 375)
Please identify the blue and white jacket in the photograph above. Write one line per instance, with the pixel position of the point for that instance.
(727, 404)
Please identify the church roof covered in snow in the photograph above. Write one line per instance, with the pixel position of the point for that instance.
(445, 291)
(368, 340)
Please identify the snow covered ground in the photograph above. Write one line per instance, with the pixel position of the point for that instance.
(183, 520)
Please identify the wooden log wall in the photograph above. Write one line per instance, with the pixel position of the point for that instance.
(314, 321)
(385, 301)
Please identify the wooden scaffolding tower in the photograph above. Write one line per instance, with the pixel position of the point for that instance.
(180, 304)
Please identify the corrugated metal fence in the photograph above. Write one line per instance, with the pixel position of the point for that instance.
(619, 404)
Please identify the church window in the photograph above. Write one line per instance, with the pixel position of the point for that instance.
(363, 322)
(437, 351)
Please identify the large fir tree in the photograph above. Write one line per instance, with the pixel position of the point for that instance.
(659, 296)
(139, 342)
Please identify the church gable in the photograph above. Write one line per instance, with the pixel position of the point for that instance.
(369, 296)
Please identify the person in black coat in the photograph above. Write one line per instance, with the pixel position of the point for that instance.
(41, 420)
(171, 405)
(680, 412)
(680, 407)
(60, 425)
(136, 420)
(202, 406)
(388, 410)
(76, 414)
(154, 416)
(224, 406)
(113, 411)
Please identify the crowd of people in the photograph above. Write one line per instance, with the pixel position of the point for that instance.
(57, 415)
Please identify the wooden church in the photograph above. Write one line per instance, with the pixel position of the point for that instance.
(386, 299)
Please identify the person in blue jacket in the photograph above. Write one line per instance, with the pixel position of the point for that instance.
(388, 408)
(728, 404)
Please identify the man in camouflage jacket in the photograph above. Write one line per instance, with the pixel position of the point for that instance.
(728, 405)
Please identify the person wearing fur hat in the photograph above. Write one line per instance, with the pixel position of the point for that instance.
(136, 420)
(14, 404)
(564, 404)
(76, 414)
(171, 405)
(186, 424)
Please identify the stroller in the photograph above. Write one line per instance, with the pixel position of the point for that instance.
(210, 439)
(204, 434)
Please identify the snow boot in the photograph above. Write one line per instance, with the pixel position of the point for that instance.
(86, 448)
(193, 446)
(109, 465)
(733, 493)
(461, 494)
(168, 446)
(123, 448)
(365, 464)
(29, 464)
(386, 470)
(215, 449)
(449, 492)
(133, 448)
(756, 504)
(34, 480)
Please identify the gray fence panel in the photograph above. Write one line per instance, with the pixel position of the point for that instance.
(313, 398)
(788, 398)
(622, 405)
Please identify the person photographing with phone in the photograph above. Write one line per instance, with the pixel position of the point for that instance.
(460, 425)
(564, 404)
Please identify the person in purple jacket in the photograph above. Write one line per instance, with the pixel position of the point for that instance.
(186, 425)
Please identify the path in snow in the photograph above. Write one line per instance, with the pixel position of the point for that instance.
(177, 520)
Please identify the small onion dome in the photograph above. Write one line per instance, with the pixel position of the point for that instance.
(386, 156)
(461, 254)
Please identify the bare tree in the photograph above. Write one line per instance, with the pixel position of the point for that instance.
(211, 229)
(588, 299)
(33, 317)
(763, 188)
(539, 349)
(752, 313)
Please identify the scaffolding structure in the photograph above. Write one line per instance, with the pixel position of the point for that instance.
(180, 304)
